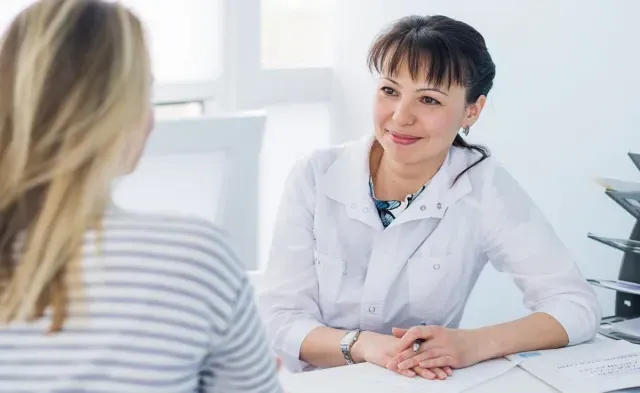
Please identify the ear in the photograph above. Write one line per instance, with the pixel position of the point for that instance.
(473, 111)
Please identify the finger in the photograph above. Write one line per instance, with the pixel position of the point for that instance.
(397, 332)
(448, 370)
(442, 361)
(406, 372)
(409, 359)
(423, 332)
(440, 374)
(425, 373)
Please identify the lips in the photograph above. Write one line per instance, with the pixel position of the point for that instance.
(403, 139)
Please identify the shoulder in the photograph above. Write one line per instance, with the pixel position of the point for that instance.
(182, 244)
(491, 182)
(316, 163)
(485, 172)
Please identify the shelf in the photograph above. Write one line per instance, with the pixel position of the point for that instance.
(617, 285)
(626, 245)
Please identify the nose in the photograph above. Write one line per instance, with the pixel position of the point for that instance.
(403, 114)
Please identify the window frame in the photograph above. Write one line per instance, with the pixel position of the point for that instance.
(244, 83)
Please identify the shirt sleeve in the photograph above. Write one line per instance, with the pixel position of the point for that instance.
(518, 240)
(242, 362)
(289, 291)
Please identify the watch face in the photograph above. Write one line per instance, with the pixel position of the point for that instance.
(346, 339)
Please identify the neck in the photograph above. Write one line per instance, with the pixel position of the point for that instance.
(394, 181)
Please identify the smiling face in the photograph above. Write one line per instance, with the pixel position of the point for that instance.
(416, 121)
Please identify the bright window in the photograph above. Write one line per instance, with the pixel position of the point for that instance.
(297, 33)
(184, 36)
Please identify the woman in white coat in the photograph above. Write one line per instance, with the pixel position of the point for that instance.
(390, 232)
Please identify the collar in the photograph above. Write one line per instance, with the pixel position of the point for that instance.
(347, 182)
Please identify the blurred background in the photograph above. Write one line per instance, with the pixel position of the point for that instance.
(563, 110)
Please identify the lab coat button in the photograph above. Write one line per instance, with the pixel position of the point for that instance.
(365, 210)
(372, 309)
(353, 205)
(436, 267)
(423, 208)
(439, 205)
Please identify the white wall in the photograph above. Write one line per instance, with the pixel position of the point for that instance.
(563, 110)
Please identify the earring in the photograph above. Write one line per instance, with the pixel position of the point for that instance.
(465, 131)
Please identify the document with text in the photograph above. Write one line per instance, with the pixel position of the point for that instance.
(598, 367)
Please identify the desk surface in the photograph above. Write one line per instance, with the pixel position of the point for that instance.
(334, 380)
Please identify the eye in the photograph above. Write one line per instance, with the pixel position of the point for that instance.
(388, 90)
(429, 101)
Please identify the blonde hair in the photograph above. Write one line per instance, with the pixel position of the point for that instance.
(74, 93)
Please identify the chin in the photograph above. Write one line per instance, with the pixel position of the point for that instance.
(404, 154)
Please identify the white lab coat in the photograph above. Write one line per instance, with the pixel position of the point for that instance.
(332, 263)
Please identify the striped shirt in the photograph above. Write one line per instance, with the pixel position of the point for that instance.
(160, 304)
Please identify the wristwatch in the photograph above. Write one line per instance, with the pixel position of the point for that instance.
(347, 342)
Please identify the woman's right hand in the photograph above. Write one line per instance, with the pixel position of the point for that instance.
(380, 349)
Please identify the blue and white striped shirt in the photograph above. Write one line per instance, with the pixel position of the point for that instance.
(159, 304)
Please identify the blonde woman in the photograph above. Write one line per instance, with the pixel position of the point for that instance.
(94, 298)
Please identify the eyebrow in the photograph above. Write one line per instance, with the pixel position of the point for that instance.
(420, 89)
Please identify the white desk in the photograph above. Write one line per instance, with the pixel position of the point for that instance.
(334, 381)
(339, 380)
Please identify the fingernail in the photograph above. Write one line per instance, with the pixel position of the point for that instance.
(403, 365)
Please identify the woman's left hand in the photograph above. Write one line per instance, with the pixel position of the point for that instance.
(443, 347)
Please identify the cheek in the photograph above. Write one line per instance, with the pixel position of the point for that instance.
(381, 111)
(440, 124)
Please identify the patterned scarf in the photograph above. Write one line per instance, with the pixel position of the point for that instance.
(389, 210)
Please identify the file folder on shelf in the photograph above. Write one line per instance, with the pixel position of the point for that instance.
(626, 245)
(617, 285)
(629, 201)
(627, 286)
(635, 157)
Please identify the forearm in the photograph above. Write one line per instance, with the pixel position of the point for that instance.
(533, 332)
(321, 347)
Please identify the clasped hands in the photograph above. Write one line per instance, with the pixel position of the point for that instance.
(443, 350)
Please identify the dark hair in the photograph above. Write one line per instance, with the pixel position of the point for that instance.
(447, 51)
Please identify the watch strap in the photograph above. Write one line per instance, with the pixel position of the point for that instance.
(347, 343)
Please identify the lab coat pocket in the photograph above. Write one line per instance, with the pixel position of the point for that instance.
(330, 271)
(433, 288)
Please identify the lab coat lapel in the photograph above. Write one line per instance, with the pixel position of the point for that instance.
(347, 182)
(441, 193)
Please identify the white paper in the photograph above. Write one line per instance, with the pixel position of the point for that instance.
(597, 367)
(366, 377)
(618, 185)
(630, 327)
(618, 285)
(522, 356)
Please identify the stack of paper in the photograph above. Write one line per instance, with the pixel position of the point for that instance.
(598, 367)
